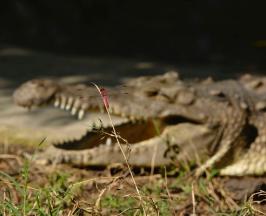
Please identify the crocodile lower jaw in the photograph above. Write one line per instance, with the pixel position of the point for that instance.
(154, 151)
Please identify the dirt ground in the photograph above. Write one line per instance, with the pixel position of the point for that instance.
(65, 190)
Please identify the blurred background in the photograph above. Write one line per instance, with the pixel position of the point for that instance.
(129, 38)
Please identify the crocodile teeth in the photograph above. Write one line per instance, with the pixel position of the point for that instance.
(81, 114)
(108, 141)
(56, 102)
(63, 102)
(69, 103)
(73, 111)
(75, 107)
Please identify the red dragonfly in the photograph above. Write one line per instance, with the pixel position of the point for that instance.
(96, 93)
(105, 98)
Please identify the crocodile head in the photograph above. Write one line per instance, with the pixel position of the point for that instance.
(157, 96)
(155, 109)
(164, 98)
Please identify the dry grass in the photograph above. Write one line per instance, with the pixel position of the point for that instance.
(37, 190)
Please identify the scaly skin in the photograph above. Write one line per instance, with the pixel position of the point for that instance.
(222, 114)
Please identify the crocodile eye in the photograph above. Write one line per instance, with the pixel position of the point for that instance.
(256, 84)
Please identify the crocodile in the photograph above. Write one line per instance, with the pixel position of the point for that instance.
(166, 121)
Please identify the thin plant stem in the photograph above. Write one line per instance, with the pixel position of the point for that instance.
(120, 146)
(193, 200)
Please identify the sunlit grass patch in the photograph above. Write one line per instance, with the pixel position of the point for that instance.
(19, 197)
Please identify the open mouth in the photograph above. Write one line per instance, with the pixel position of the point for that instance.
(154, 142)
(132, 132)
